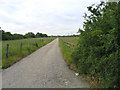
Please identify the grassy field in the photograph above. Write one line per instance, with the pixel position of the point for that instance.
(73, 40)
(67, 45)
(20, 48)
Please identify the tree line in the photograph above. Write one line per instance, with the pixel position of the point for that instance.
(9, 36)
(98, 51)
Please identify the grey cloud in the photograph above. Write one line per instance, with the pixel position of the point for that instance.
(62, 19)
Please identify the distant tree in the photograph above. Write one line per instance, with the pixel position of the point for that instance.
(3, 34)
(38, 35)
(18, 36)
(41, 35)
(44, 35)
(9, 36)
(30, 35)
(6, 35)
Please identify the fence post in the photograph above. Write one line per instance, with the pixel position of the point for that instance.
(21, 46)
(28, 45)
(7, 51)
(36, 45)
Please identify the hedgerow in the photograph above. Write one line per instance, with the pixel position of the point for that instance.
(98, 50)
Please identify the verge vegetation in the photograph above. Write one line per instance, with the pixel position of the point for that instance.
(67, 46)
(97, 53)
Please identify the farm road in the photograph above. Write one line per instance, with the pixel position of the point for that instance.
(45, 68)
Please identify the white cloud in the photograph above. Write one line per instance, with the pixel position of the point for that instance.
(54, 17)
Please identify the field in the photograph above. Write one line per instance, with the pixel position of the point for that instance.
(73, 40)
(18, 49)
(67, 46)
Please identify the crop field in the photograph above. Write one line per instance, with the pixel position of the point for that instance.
(14, 50)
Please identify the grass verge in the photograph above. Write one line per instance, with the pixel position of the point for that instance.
(67, 52)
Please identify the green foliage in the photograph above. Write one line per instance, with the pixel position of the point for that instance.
(68, 50)
(98, 51)
(9, 36)
(30, 35)
(41, 35)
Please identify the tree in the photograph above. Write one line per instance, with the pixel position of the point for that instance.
(44, 35)
(6, 35)
(38, 35)
(41, 35)
(9, 36)
(30, 35)
(17, 36)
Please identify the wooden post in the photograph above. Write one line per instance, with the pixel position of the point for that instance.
(21, 46)
(28, 45)
(36, 45)
(7, 51)
(42, 40)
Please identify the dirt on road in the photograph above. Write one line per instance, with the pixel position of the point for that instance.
(45, 68)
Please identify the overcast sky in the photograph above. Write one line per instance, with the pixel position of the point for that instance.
(53, 17)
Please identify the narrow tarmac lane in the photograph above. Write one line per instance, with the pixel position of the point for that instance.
(45, 68)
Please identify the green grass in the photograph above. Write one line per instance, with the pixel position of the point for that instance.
(73, 40)
(15, 53)
(67, 50)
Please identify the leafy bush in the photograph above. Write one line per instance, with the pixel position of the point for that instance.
(98, 50)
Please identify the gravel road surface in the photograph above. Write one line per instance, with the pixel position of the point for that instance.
(44, 68)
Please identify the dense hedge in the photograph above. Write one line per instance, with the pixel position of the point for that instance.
(98, 51)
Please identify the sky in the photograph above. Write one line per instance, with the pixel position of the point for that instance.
(52, 17)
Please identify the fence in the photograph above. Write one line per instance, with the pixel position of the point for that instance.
(69, 44)
(8, 45)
